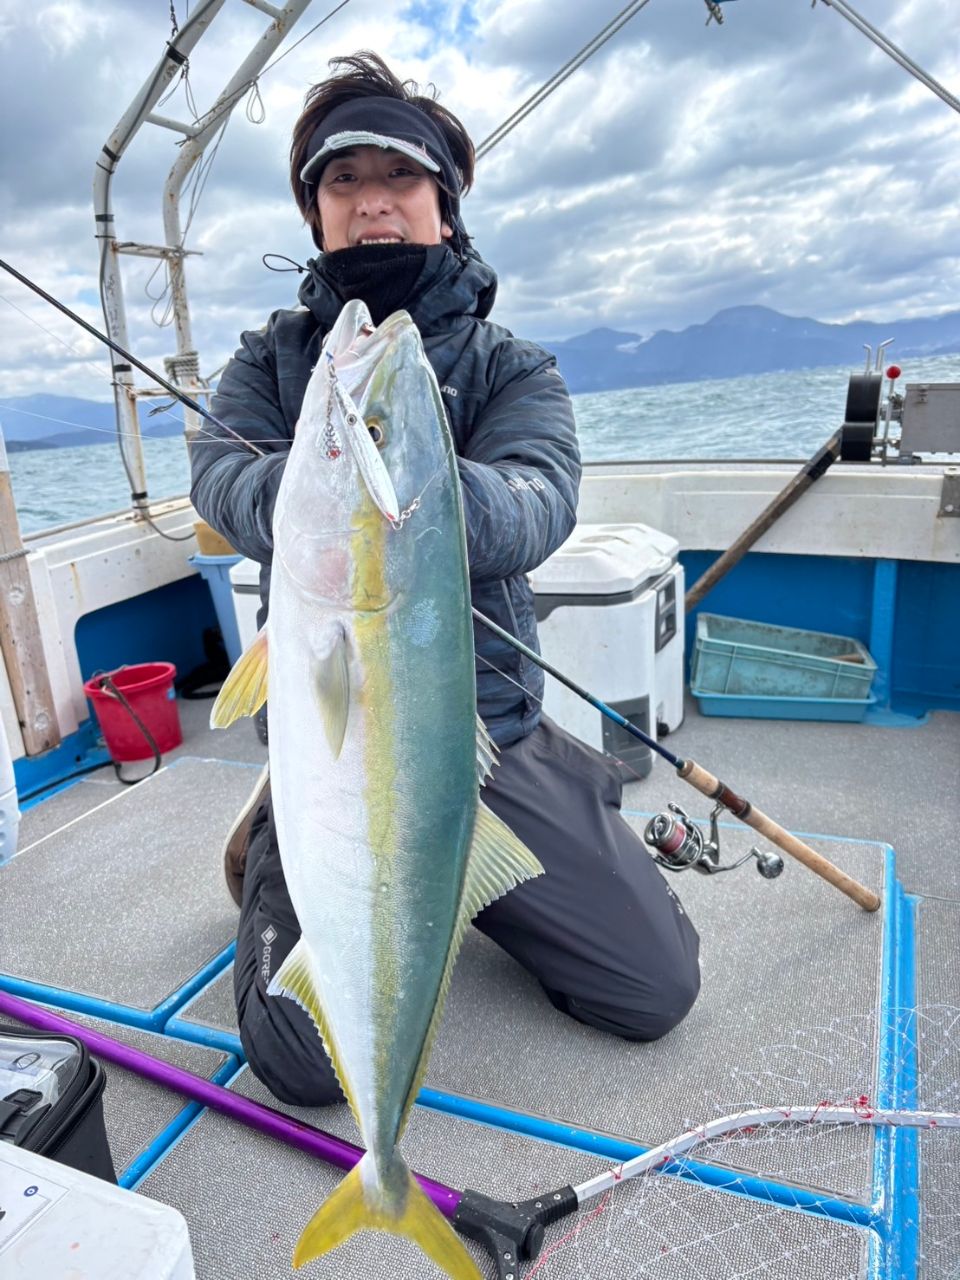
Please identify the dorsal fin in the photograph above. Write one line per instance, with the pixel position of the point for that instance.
(487, 751)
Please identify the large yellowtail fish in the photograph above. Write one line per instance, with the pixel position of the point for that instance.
(376, 752)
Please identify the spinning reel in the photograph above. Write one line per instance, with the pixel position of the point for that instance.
(679, 844)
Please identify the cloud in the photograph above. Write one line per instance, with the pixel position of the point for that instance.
(781, 159)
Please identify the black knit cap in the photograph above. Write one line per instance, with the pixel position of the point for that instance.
(389, 123)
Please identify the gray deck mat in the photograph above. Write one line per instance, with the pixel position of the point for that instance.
(83, 795)
(895, 785)
(258, 1195)
(772, 1038)
(134, 1110)
(239, 744)
(214, 1006)
(937, 1037)
(779, 960)
(148, 906)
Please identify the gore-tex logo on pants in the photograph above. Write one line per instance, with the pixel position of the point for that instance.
(269, 937)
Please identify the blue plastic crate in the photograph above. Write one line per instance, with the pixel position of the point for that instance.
(731, 704)
(215, 571)
(757, 669)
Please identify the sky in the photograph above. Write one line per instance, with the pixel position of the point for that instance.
(779, 159)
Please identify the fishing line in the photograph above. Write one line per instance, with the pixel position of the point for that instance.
(723, 796)
(176, 392)
(106, 373)
(530, 694)
(112, 431)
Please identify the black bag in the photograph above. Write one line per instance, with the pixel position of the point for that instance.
(51, 1100)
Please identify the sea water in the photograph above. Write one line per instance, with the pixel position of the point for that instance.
(767, 416)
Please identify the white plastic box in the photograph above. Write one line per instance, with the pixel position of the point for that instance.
(61, 1223)
(610, 612)
(245, 584)
(9, 802)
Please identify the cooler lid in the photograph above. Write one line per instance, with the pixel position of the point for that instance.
(245, 573)
(606, 559)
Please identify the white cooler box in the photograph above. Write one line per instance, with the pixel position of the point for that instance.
(245, 585)
(610, 613)
(58, 1224)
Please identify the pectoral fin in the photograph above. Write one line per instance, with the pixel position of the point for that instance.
(332, 686)
(244, 691)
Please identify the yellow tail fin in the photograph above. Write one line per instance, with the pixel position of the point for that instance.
(356, 1205)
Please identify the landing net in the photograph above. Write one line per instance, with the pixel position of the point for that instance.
(703, 1210)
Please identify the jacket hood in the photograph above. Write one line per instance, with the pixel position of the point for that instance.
(447, 290)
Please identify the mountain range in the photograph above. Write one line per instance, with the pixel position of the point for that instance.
(54, 422)
(741, 340)
(736, 341)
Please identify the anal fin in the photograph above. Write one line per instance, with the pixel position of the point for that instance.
(295, 980)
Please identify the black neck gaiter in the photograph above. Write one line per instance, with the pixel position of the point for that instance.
(381, 275)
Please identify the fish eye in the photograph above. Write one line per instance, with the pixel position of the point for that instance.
(377, 434)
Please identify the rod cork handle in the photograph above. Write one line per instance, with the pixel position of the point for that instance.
(714, 789)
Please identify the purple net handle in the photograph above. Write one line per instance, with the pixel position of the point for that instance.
(264, 1119)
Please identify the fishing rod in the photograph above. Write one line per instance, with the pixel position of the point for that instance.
(512, 1231)
(704, 782)
(169, 387)
(684, 833)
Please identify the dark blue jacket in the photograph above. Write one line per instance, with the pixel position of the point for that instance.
(513, 429)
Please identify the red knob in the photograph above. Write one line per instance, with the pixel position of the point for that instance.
(894, 372)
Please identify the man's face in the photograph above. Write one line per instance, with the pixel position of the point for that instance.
(369, 195)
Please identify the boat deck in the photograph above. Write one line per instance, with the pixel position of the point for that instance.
(115, 910)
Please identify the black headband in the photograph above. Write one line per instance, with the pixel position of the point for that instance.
(389, 123)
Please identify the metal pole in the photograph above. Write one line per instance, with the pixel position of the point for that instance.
(111, 285)
(891, 50)
(335, 1151)
(185, 365)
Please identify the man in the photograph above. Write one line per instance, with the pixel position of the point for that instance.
(378, 172)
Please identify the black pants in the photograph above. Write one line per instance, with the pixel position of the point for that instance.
(601, 930)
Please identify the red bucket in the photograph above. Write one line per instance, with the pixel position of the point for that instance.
(148, 688)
